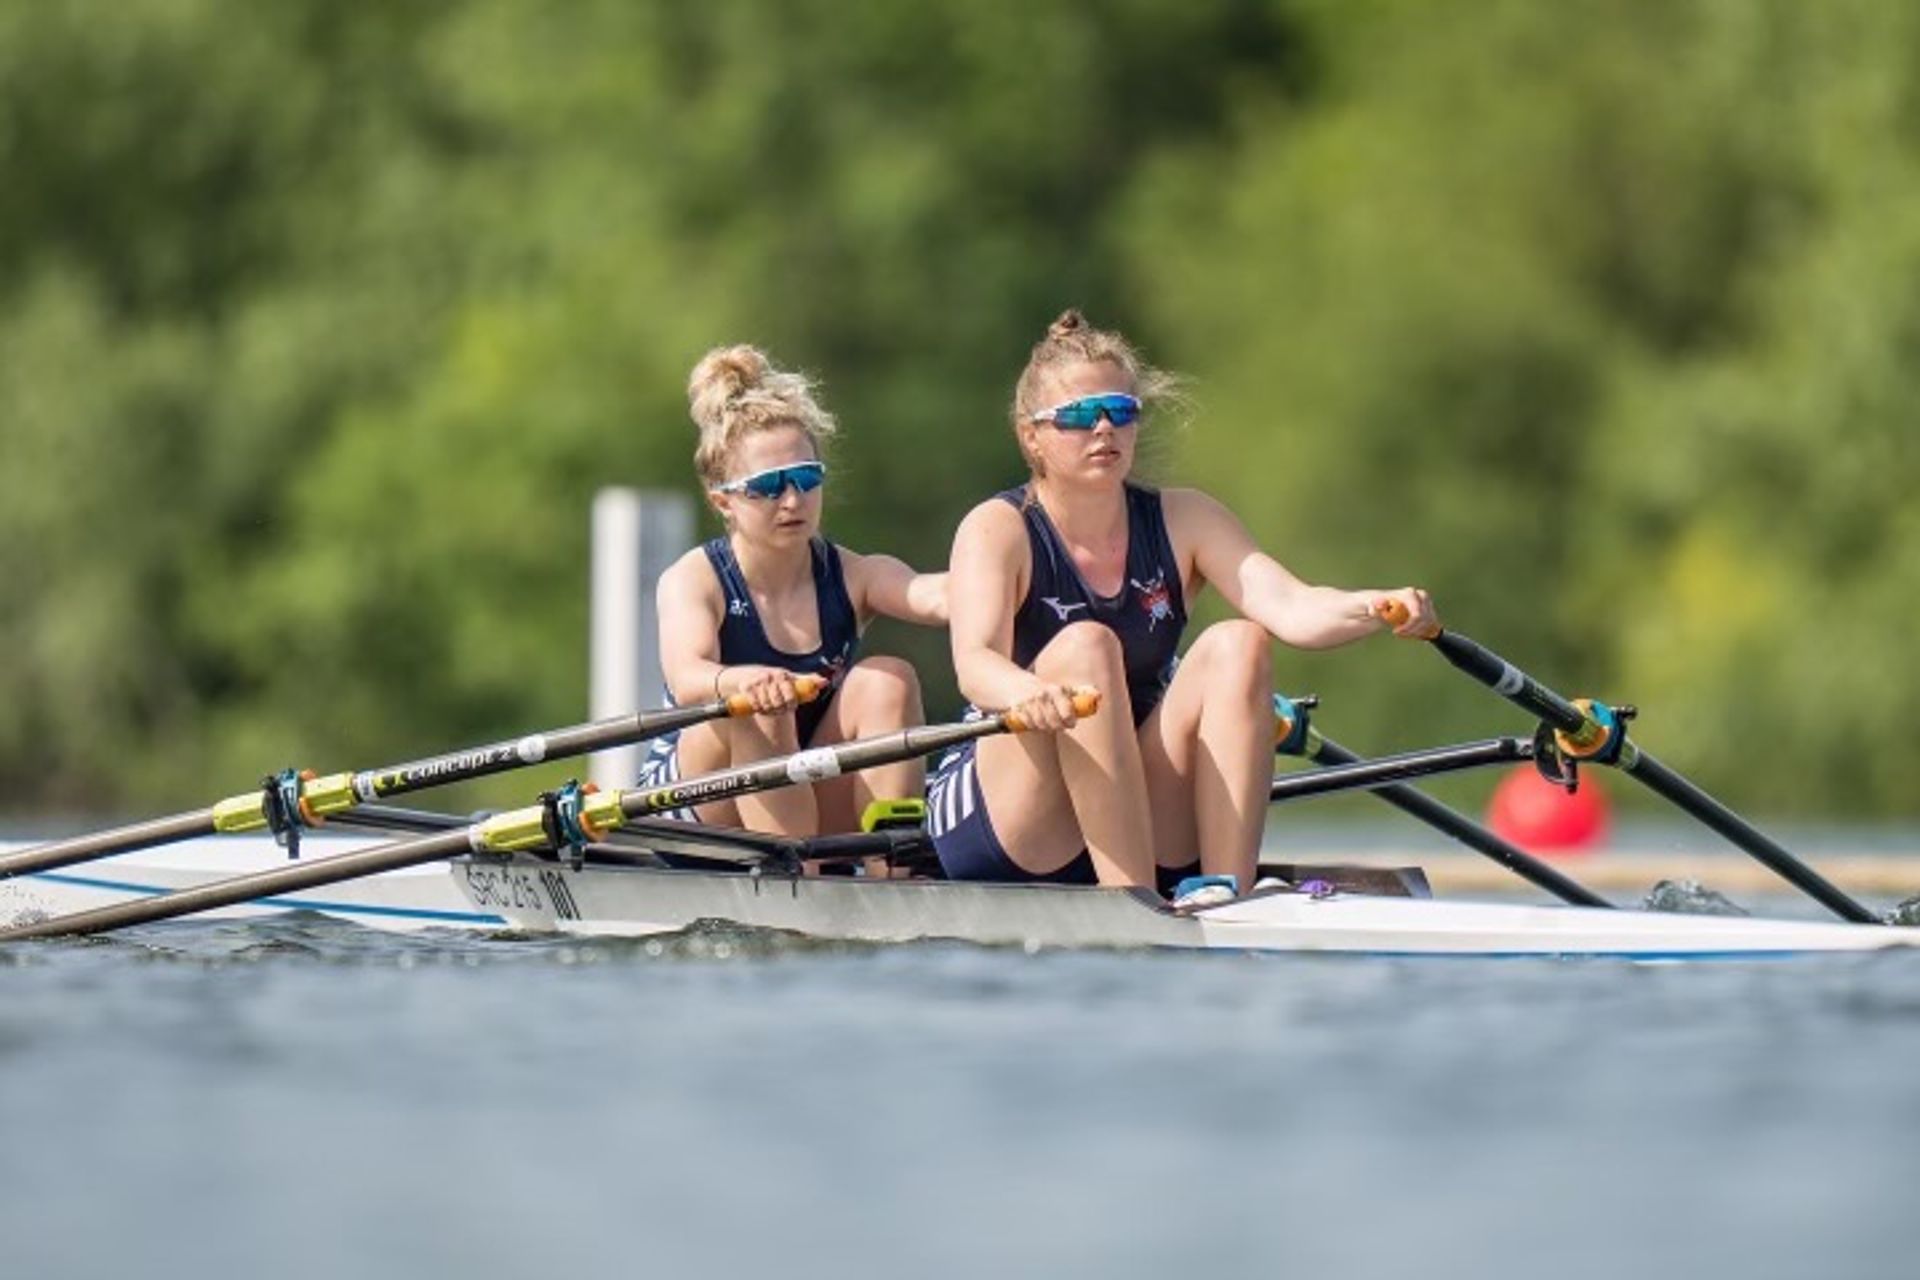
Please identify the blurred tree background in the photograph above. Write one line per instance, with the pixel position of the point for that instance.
(321, 323)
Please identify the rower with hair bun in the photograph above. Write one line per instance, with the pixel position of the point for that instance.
(1083, 577)
(770, 600)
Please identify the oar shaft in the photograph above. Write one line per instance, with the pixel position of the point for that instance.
(1572, 721)
(1663, 781)
(1511, 683)
(527, 829)
(1466, 831)
(1386, 770)
(556, 744)
(292, 877)
(337, 793)
(101, 844)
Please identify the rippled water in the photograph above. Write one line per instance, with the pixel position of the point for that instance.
(301, 1097)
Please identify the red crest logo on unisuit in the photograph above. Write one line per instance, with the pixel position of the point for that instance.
(1155, 599)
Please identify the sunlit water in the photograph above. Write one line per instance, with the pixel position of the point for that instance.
(301, 1097)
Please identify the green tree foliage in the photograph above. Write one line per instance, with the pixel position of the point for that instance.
(320, 324)
(1598, 321)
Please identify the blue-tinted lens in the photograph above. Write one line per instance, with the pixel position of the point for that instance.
(805, 477)
(1083, 415)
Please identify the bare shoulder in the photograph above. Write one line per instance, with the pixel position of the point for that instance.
(993, 523)
(1194, 509)
(690, 579)
(851, 561)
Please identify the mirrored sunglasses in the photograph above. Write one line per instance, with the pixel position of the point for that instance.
(805, 477)
(1083, 414)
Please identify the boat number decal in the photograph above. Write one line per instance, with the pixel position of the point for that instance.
(562, 897)
(531, 749)
(507, 889)
(811, 766)
(519, 889)
(1512, 680)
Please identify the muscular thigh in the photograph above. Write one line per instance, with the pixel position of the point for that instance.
(704, 748)
(1027, 801)
(1168, 741)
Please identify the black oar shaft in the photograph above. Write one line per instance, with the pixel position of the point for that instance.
(1665, 782)
(1530, 695)
(1382, 771)
(1511, 683)
(1467, 832)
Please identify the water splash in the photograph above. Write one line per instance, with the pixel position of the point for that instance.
(1690, 898)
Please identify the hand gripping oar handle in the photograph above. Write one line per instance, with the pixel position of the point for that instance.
(321, 797)
(1590, 730)
(527, 829)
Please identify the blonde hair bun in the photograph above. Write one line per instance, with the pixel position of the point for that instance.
(1069, 323)
(723, 376)
(736, 391)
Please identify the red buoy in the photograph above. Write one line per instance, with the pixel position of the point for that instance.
(1540, 817)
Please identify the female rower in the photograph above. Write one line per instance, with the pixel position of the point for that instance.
(771, 599)
(1081, 576)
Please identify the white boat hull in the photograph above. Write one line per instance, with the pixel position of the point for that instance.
(541, 896)
(537, 896)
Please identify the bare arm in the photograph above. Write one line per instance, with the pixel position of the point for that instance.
(690, 605)
(1299, 613)
(891, 588)
(688, 601)
(987, 577)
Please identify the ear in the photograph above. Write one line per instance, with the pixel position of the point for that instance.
(722, 503)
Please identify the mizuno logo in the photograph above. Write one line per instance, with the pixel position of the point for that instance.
(1062, 609)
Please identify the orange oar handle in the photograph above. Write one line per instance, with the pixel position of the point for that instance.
(808, 687)
(1086, 701)
(1395, 615)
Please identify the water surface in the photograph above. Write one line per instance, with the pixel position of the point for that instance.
(302, 1097)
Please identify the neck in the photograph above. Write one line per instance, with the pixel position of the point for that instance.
(772, 568)
(1083, 513)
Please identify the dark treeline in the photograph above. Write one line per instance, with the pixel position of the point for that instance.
(320, 324)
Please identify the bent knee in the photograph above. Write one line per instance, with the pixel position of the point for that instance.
(882, 682)
(1235, 650)
(1084, 648)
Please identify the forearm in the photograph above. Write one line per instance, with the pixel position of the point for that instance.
(691, 681)
(989, 679)
(1314, 617)
(926, 599)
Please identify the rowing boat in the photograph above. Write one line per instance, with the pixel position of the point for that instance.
(538, 895)
(605, 863)
(543, 896)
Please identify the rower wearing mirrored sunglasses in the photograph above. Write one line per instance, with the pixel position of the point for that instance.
(772, 599)
(1082, 576)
